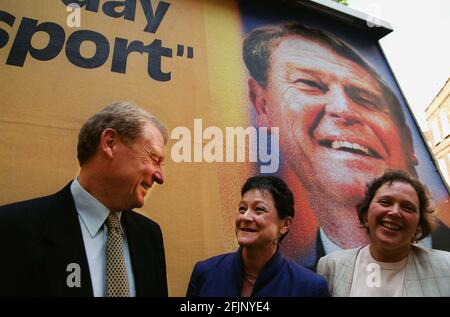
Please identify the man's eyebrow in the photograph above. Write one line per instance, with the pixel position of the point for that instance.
(324, 73)
(151, 150)
(292, 67)
(376, 96)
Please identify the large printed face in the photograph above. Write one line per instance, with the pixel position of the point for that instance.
(336, 129)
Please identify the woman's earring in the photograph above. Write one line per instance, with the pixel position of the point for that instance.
(366, 224)
(276, 240)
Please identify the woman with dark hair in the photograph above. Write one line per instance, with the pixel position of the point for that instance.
(257, 268)
(396, 212)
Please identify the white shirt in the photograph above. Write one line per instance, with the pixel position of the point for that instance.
(372, 278)
(92, 215)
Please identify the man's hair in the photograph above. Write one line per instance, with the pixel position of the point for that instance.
(260, 43)
(124, 117)
(281, 194)
(426, 204)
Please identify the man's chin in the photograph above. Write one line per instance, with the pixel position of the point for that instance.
(137, 204)
(351, 172)
(323, 168)
(140, 204)
(363, 168)
(339, 189)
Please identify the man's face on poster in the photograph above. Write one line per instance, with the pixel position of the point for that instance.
(337, 131)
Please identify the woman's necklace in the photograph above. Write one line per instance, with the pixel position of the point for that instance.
(250, 278)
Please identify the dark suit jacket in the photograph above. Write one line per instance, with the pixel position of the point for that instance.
(222, 276)
(440, 240)
(39, 238)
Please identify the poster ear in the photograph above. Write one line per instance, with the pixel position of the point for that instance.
(256, 94)
(413, 159)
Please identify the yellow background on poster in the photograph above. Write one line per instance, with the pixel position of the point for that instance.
(44, 104)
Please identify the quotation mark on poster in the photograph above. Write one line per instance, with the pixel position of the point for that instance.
(180, 51)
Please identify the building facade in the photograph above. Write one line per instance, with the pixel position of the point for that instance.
(438, 136)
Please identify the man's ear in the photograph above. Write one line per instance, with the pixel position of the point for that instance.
(108, 141)
(413, 158)
(257, 97)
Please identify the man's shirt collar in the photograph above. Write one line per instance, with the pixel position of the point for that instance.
(91, 211)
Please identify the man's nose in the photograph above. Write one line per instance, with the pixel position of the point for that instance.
(159, 175)
(341, 106)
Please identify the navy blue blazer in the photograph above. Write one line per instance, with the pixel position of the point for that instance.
(39, 238)
(222, 276)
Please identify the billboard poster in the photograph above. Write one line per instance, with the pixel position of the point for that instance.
(342, 120)
(244, 87)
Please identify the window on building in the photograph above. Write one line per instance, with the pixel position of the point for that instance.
(444, 123)
(437, 137)
(444, 170)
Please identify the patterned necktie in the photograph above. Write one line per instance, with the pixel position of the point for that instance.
(116, 273)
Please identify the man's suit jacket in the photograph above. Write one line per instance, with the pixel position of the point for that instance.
(427, 272)
(39, 238)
